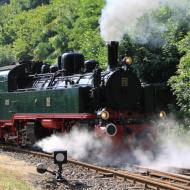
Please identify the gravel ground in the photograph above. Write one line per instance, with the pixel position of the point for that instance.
(75, 177)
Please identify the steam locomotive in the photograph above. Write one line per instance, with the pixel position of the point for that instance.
(37, 100)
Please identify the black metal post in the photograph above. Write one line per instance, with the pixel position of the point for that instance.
(60, 171)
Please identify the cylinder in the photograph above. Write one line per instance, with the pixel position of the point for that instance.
(112, 54)
(50, 124)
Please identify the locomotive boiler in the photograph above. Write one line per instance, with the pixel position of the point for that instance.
(37, 100)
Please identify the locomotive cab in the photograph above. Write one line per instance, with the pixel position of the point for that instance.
(4, 71)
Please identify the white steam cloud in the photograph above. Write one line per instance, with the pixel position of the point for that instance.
(80, 144)
(171, 148)
(173, 151)
(86, 146)
(120, 14)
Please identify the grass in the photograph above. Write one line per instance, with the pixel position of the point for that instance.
(10, 180)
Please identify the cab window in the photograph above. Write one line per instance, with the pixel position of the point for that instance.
(4, 75)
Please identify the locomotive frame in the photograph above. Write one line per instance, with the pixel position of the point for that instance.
(36, 102)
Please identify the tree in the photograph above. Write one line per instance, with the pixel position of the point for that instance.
(4, 2)
(155, 38)
(29, 4)
(6, 57)
(180, 83)
(85, 35)
(45, 29)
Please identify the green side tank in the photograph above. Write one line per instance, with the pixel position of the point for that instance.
(48, 101)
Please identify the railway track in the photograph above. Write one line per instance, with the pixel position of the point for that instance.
(172, 169)
(183, 171)
(149, 178)
(176, 180)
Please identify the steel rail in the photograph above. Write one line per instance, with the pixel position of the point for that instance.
(166, 178)
(183, 171)
(167, 175)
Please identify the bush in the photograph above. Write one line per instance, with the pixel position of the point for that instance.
(6, 57)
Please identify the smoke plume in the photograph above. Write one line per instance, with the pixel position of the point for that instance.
(86, 146)
(171, 148)
(120, 14)
(80, 144)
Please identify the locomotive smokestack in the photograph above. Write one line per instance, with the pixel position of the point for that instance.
(112, 54)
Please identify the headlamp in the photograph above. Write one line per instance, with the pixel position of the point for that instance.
(162, 114)
(105, 115)
(128, 60)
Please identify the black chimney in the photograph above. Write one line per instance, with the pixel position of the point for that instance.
(112, 54)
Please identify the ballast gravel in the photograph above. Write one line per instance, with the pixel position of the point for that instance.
(75, 177)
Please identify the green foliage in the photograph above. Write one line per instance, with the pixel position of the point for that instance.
(6, 57)
(155, 43)
(180, 83)
(42, 50)
(28, 32)
(4, 2)
(85, 35)
(28, 4)
(44, 29)
(44, 32)
(35, 3)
